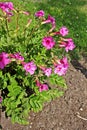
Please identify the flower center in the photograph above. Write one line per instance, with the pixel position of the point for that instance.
(47, 42)
(0, 58)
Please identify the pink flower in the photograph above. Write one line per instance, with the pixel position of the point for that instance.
(38, 83)
(4, 60)
(42, 87)
(17, 56)
(64, 31)
(30, 67)
(28, 23)
(48, 42)
(39, 13)
(51, 20)
(25, 12)
(61, 67)
(63, 61)
(68, 44)
(48, 71)
(60, 70)
(7, 7)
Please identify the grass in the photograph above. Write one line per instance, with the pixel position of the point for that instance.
(70, 13)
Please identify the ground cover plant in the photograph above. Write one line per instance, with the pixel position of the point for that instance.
(32, 51)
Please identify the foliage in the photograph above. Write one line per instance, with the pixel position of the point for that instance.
(32, 51)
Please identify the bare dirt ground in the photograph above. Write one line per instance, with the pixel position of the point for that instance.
(66, 113)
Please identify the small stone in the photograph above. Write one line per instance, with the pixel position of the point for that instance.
(81, 109)
(30, 126)
(31, 123)
(60, 123)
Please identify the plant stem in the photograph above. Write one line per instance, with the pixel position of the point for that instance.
(17, 21)
(6, 23)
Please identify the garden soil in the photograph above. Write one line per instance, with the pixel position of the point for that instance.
(68, 112)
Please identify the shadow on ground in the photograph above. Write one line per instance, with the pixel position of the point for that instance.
(79, 67)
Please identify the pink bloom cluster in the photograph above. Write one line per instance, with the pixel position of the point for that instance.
(42, 87)
(7, 7)
(17, 56)
(51, 20)
(63, 31)
(68, 44)
(61, 67)
(39, 13)
(30, 67)
(47, 71)
(48, 42)
(4, 60)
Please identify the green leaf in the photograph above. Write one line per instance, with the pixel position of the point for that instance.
(55, 93)
(9, 112)
(32, 104)
(57, 80)
(44, 95)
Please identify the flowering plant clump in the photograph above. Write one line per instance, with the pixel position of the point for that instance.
(33, 58)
